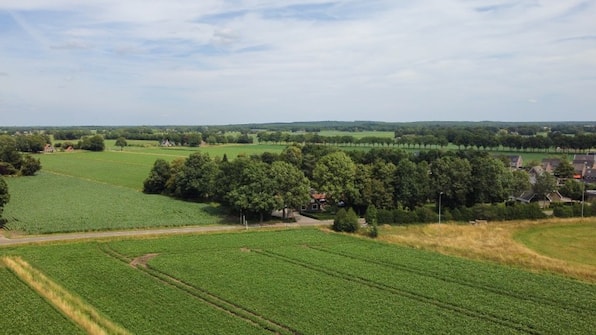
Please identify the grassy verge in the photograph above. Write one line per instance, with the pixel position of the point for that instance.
(495, 242)
(81, 313)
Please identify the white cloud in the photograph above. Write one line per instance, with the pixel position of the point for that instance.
(263, 60)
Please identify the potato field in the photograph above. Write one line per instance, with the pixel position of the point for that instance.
(296, 281)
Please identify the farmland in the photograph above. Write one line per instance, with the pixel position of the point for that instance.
(50, 203)
(305, 281)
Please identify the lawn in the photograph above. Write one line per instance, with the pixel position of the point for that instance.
(306, 281)
(569, 242)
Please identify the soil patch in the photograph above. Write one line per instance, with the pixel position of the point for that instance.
(142, 260)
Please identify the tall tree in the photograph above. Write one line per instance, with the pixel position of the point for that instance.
(256, 191)
(334, 174)
(564, 169)
(490, 180)
(196, 180)
(291, 186)
(4, 195)
(364, 188)
(383, 181)
(158, 177)
(545, 184)
(451, 175)
(520, 182)
(9, 153)
(121, 142)
(412, 183)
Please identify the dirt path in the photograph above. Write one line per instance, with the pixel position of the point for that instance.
(29, 239)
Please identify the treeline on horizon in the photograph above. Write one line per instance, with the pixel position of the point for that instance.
(566, 136)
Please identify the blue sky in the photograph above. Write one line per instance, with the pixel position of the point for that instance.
(162, 62)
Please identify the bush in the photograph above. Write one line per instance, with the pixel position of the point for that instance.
(346, 221)
(425, 215)
(385, 216)
(7, 169)
(563, 211)
(30, 166)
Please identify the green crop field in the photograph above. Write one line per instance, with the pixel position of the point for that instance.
(575, 243)
(305, 281)
(25, 312)
(49, 203)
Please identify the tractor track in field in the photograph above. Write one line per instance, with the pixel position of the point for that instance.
(503, 321)
(211, 299)
(429, 274)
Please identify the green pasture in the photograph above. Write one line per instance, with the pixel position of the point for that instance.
(231, 150)
(569, 242)
(49, 203)
(305, 281)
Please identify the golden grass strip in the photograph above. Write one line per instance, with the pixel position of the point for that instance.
(493, 242)
(81, 313)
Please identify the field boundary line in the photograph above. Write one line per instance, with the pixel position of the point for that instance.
(405, 293)
(75, 309)
(207, 297)
(535, 299)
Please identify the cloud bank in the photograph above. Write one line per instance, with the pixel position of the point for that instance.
(108, 62)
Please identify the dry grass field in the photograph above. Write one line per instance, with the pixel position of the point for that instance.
(505, 243)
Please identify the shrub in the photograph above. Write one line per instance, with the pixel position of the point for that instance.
(346, 221)
(563, 211)
(30, 166)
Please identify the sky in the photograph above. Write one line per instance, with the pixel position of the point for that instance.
(214, 62)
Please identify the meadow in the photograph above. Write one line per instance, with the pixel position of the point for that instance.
(570, 242)
(303, 281)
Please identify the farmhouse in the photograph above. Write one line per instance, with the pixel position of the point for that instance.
(317, 202)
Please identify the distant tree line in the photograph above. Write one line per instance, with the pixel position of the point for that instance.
(463, 138)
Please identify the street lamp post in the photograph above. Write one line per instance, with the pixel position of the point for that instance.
(440, 194)
(583, 195)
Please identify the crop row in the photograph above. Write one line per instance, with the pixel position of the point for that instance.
(311, 301)
(207, 297)
(543, 289)
(520, 314)
(514, 292)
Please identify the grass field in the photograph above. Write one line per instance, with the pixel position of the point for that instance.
(498, 242)
(305, 281)
(569, 242)
(49, 203)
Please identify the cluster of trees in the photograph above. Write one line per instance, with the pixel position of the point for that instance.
(384, 178)
(183, 136)
(12, 161)
(247, 185)
(90, 142)
(32, 142)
